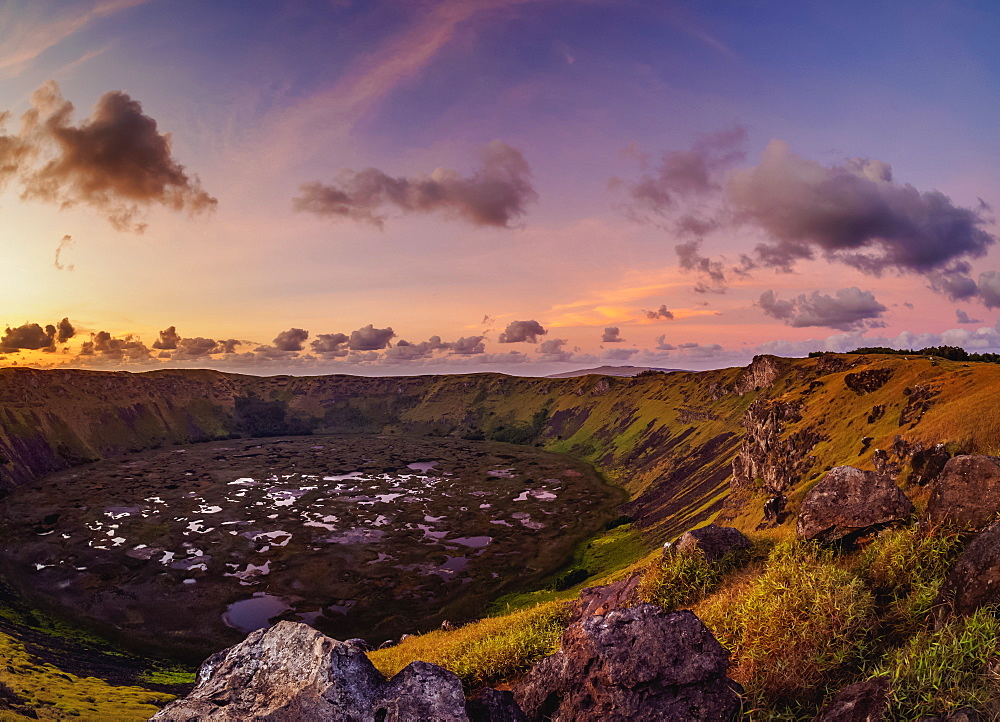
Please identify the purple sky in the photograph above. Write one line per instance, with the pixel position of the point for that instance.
(428, 187)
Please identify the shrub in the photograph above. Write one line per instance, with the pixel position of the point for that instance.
(939, 671)
(570, 578)
(678, 579)
(483, 652)
(793, 628)
(909, 565)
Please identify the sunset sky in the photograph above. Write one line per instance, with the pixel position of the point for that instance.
(421, 186)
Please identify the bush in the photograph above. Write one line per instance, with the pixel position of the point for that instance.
(483, 652)
(679, 579)
(909, 565)
(795, 627)
(955, 666)
(570, 578)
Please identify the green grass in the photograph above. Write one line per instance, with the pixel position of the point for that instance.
(794, 628)
(908, 566)
(939, 671)
(483, 652)
(678, 579)
(55, 694)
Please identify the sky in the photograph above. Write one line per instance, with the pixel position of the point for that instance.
(525, 186)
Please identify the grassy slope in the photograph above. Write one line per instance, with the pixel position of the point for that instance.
(667, 439)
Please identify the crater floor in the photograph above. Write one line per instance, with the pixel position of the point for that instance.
(187, 549)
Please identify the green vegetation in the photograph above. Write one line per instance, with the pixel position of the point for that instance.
(939, 671)
(51, 693)
(794, 628)
(908, 565)
(486, 651)
(951, 353)
(678, 579)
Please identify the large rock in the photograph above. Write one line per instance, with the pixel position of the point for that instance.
(292, 672)
(848, 503)
(639, 663)
(492, 705)
(713, 541)
(967, 491)
(601, 600)
(859, 702)
(974, 579)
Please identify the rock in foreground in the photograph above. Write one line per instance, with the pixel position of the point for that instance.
(974, 579)
(849, 502)
(639, 663)
(967, 491)
(292, 672)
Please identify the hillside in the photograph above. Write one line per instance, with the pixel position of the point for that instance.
(687, 447)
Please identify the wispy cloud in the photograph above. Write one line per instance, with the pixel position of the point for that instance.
(26, 34)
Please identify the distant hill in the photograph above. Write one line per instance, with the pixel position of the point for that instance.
(609, 371)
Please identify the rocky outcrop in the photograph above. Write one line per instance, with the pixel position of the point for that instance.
(760, 374)
(766, 454)
(859, 702)
(848, 503)
(974, 579)
(292, 672)
(967, 491)
(639, 663)
(867, 381)
(713, 541)
(927, 464)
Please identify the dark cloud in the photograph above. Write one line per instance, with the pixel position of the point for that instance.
(369, 338)
(168, 339)
(331, 344)
(64, 331)
(494, 195)
(954, 282)
(660, 313)
(855, 213)
(963, 317)
(406, 351)
(522, 332)
(690, 258)
(32, 337)
(847, 311)
(65, 243)
(612, 334)
(116, 161)
(228, 345)
(290, 340)
(29, 337)
(989, 289)
(128, 349)
(197, 347)
(683, 175)
(468, 346)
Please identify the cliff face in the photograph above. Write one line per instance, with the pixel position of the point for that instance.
(673, 441)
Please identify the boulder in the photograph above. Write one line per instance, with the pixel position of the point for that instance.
(859, 702)
(848, 503)
(292, 672)
(493, 705)
(713, 541)
(639, 663)
(601, 600)
(967, 491)
(974, 579)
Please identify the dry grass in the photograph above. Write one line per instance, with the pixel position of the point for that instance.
(486, 651)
